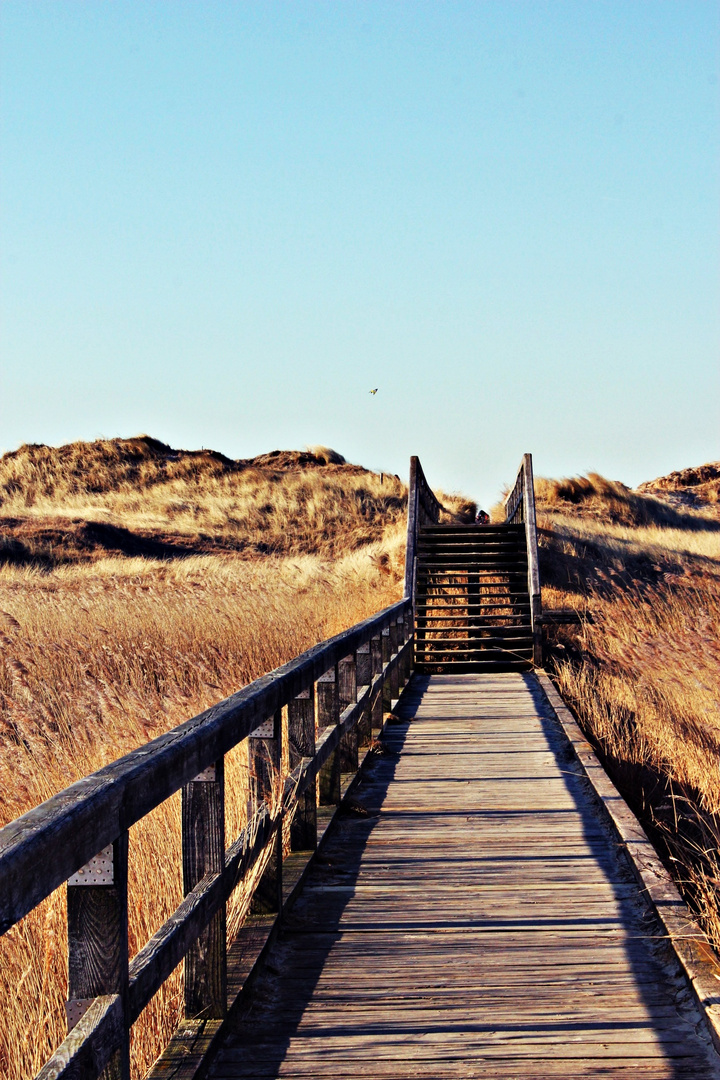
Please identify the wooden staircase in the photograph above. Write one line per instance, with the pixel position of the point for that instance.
(472, 600)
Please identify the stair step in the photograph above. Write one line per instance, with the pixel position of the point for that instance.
(467, 630)
(444, 657)
(465, 644)
(471, 556)
(469, 568)
(469, 667)
(475, 606)
(508, 595)
(471, 530)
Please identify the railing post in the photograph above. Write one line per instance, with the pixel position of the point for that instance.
(265, 751)
(533, 563)
(412, 529)
(376, 705)
(364, 678)
(395, 673)
(408, 632)
(328, 715)
(347, 692)
(301, 743)
(203, 852)
(386, 654)
(97, 920)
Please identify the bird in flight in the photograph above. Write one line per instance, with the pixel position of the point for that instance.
(374, 391)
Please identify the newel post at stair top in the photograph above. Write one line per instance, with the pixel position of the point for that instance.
(412, 530)
(533, 561)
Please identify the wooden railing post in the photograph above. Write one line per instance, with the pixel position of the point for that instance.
(265, 752)
(395, 673)
(347, 693)
(97, 920)
(364, 678)
(203, 852)
(533, 563)
(412, 530)
(386, 654)
(328, 715)
(409, 631)
(301, 743)
(376, 705)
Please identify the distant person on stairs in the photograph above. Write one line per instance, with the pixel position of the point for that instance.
(482, 518)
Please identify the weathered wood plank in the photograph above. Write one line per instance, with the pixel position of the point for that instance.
(478, 919)
(203, 852)
(97, 922)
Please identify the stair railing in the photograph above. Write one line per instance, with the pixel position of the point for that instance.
(520, 508)
(423, 509)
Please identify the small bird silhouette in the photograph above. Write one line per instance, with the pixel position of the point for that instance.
(374, 391)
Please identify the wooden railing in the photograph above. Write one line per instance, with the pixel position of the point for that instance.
(520, 508)
(80, 836)
(423, 509)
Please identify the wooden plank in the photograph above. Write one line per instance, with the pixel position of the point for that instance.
(328, 706)
(97, 922)
(203, 852)
(479, 920)
(265, 758)
(347, 694)
(301, 744)
(90, 1046)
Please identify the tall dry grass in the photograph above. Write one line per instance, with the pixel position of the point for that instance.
(96, 659)
(643, 670)
(282, 503)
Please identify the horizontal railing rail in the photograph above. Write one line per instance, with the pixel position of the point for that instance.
(336, 691)
(519, 508)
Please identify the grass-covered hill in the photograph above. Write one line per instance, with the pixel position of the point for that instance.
(141, 497)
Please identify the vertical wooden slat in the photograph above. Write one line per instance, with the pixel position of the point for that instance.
(203, 852)
(347, 694)
(395, 673)
(409, 630)
(412, 529)
(328, 711)
(97, 920)
(364, 678)
(301, 743)
(376, 706)
(533, 563)
(386, 653)
(265, 751)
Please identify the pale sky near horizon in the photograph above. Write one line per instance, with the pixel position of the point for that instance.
(224, 223)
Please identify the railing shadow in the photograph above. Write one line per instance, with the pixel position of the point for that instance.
(260, 1034)
(638, 930)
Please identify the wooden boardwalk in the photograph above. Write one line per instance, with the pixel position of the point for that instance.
(478, 922)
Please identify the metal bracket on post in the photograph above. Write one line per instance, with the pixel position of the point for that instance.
(99, 871)
(266, 730)
(207, 776)
(75, 1010)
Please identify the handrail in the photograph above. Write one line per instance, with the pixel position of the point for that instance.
(520, 508)
(423, 509)
(81, 834)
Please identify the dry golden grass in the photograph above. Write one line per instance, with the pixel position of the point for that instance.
(86, 499)
(100, 654)
(643, 671)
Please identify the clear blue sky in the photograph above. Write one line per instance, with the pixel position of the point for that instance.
(223, 223)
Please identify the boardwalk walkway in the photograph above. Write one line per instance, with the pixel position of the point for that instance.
(479, 922)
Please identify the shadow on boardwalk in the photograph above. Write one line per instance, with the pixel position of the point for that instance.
(483, 924)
